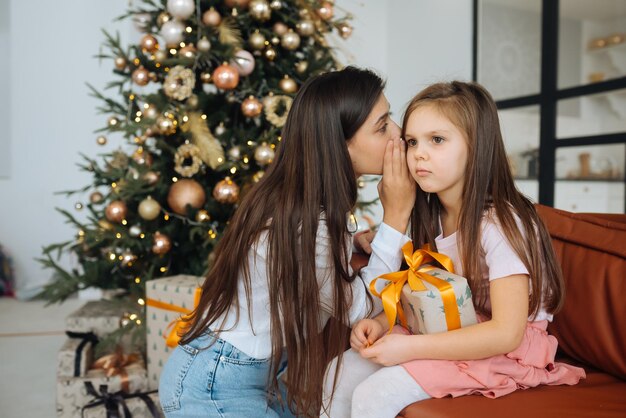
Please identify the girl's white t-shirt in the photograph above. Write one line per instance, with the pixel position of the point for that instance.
(251, 333)
(500, 260)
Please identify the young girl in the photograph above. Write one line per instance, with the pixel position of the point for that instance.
(467, 207)
(282, 267)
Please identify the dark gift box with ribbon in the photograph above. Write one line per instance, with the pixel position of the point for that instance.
(168, 300)
(117, 371)
(424, 298)
(119, 404)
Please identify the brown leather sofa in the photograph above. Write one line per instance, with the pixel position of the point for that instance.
(591, 329)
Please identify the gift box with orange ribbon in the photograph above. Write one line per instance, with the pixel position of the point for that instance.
(119, 372)
(168, 300)
(428, 297)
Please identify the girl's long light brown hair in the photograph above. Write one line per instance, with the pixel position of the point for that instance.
(312, 173)
(488, 186)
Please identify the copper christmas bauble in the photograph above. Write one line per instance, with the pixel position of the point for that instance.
(251, 107)
(127, 258)
(120, 63)
(305, 27)
(149, 43)
(141, 76)
(149, 209)
(203, 216)
(240, 4)
(244, 62)
(211, 18)
(257, 40)
(116, 211)
(226, 191)
(226, 77)
(280, 28)
(161, 243)
(264, 154)
(185, 192)
(290, 40)
(288, 85)
(260, 10)
(205, 77)
(325, 11)
(270, 54)
(188, 51)
(96, 197)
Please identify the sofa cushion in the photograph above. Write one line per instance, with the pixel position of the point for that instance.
(591, 250)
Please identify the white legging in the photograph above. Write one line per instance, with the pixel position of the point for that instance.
(365, 389)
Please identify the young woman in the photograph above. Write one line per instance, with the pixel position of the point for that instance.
(282, 268)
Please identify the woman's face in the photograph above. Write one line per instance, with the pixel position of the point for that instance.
(367, 146)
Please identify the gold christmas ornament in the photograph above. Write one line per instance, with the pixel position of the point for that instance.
(301, 67)
(211, 18)
(290, 40)
(160, 55)
(150, 111)
(270, 54)
(161, 243)
(142, 157)
(271, 106)
(280, 28)
(151, 177)
(149, 43)
(288, 85)
(325, 11)
(251, 107)
(179, 83)
(149, 209)
(226, 77)
(166, 125)
(188, 51)
(185, 192)
(141, 76)
(187, 161)
(275, 40)
(257, 40)
(105, 225)
(120, 63)
(162, 18)
(264, 154)
(260, 10)
(101, 140)
(203, 216)
(205, 77)
(345, 30)
(305, 27)
(116, 211)
(113, 121)
(204, 45)
(226, 191)
(96, 197)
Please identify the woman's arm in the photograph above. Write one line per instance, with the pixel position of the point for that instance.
(500, 335)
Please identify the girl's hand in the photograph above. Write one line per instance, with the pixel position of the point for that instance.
(397, 187)
(363, 239)
(391, 349)
(365, 333)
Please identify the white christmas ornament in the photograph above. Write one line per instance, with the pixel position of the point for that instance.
(181, 9)
(172, 32)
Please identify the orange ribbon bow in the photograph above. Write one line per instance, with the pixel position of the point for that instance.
(178, 326)
(115, 364)
(416, 275)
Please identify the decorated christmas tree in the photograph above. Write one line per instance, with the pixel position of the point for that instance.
(200, 101)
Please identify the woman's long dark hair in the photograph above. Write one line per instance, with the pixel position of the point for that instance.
(312, 173)
(488, 186)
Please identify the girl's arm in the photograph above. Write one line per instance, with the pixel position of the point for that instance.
(500, 335)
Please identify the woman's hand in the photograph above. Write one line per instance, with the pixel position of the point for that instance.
(397, 187)
(391, 349)
(365, 333)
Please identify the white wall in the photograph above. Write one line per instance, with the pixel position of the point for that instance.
(53, 118)
(5, 157)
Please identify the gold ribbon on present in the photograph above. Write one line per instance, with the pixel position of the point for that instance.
(416, 275)
(178, 326)
(115, 365)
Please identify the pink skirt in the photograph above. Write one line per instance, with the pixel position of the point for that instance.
(531, 364)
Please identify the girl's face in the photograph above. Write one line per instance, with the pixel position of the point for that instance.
(367, 146)
(437, 153)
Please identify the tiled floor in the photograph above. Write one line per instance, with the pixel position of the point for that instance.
(30, 336)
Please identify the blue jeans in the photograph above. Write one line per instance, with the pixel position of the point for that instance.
(219, 381)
